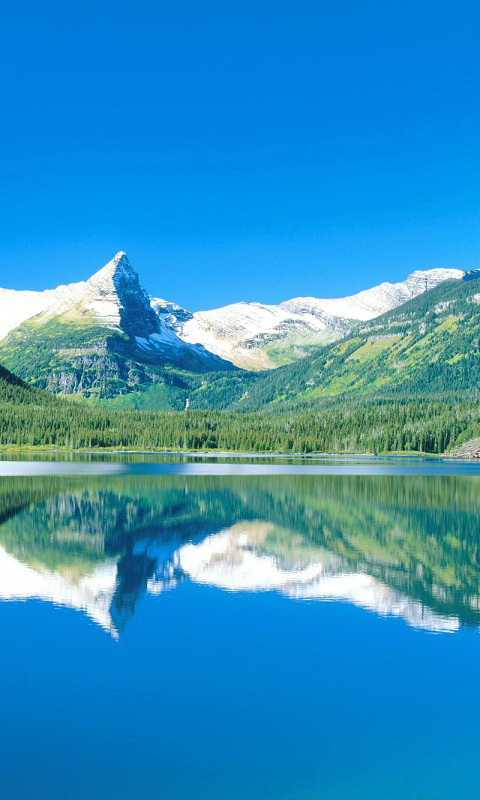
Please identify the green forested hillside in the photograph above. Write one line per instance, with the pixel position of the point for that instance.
(14, 391)
(92, 363)
(33, 418)
(368, 393)
(429, 345)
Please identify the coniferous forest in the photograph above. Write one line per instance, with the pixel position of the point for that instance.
(33, 418)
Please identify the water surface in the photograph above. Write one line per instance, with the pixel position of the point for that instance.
(170, 633)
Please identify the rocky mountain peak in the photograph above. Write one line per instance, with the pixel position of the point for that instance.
(115, 295)
(116, 270)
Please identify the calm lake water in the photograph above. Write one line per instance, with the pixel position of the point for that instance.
(224, 629)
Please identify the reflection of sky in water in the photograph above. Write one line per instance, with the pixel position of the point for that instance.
(342, 465)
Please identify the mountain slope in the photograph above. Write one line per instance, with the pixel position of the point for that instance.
(14, 390)
(106, 340)
(259, 336)
(430, 344)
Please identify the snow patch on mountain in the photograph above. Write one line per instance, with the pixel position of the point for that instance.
(250, 335)
(244, 333)
(112, 297)
(16, 306)
(370, 303)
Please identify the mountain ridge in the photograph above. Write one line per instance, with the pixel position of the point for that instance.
(430, 344)
(257, 335)
(101, 337)
(106, 338)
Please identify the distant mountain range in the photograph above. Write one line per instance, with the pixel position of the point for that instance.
(105, 339)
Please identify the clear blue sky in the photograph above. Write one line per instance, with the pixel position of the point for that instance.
(245, 150)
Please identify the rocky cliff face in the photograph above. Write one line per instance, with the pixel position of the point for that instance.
(116, 298)
(469, 451)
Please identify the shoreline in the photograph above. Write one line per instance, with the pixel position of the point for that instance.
(14, 449)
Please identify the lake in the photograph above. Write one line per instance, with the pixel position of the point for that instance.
(187, 628)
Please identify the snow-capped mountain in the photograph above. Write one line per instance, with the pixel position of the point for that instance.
(371, 303)
(255, 335)
(247, 334)
(112, 297)
(112, 301)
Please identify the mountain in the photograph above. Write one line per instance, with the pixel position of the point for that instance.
(248, 334)
(258, 336)
(428, 345)
(106, 340)
(99, 337)
(253, 335)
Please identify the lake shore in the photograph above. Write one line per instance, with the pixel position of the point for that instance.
(14, 449)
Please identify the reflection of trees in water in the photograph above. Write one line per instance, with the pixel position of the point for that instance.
(419, 535)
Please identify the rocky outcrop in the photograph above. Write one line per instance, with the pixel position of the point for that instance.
(467, 451)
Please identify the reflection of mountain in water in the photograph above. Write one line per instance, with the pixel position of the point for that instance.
(239, 558)
(394, 545)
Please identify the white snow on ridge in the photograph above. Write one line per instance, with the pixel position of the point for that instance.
(18, 306)
(239, 331)
(96, 295)
(370, 303)
(242, 333)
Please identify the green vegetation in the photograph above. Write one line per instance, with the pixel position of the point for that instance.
(382, 389)
(427, 346)
(91, 362)
(33, 418)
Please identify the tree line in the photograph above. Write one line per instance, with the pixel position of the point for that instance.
(32, 418)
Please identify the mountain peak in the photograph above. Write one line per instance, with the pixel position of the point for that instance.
(116, 297)
(118, 266)
(120, 259)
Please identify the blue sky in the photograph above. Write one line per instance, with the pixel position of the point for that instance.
(250, 151)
